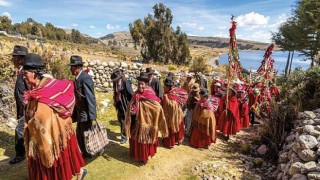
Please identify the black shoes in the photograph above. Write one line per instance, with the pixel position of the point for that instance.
(16, 159)
(123, 141)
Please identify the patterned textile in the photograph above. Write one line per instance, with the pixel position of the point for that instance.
(96, 139)
(211, 103)
(57, 94)
(179, 95)
(147, 94)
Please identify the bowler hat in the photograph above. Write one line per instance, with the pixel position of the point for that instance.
(203, 92)
(170, 74)
(32, 62)
(149, 70)
(143, 77)
(116, 74)
(76, 61)
(168, 81)
(19, 51)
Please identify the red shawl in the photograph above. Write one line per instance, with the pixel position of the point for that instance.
(57, 94)
(178, 95)
(147, 94)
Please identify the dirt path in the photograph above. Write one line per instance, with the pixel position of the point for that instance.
(222, 160)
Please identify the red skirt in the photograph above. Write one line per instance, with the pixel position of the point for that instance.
(68, 164)
(141, 152)
(199, 139)
(174, 138)
(228, 126)
(245, 121)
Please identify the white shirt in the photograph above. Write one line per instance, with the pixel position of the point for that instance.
(78, 74)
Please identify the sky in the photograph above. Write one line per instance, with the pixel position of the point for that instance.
(208, 18)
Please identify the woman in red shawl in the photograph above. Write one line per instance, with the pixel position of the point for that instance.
(173, 101)
(229, 119)
(243, 107)
(51, 145)
(203, 132)
(144, 117)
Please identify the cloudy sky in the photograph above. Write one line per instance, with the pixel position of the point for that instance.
(256, 18)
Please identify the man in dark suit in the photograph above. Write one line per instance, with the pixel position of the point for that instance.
(154, 82)
(85, 108)
(122, 96)
(18, 55)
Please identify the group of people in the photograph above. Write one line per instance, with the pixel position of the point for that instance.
(47, 107)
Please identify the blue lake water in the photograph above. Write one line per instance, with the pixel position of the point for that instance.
(252, 60)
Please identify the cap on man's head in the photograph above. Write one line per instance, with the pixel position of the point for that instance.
(19, 51)
(32, 62)
(76, 60)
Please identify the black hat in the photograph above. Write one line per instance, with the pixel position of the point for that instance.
(204, 92)
(76, 61)
(143, 77)
(116, 74)
(168, 81)
(149, 70)
(170, 74)
(19, 51)
(32, 62)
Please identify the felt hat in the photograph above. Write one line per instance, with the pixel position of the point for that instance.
(149, 70)
(168, 81)
(143, 77)
(203, 92)
(19, 51)
(116, 74)
(32, 62)
(76, 61)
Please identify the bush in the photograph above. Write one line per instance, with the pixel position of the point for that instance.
(199, 65)
(172, 67)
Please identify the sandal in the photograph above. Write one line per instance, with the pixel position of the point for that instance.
(16, 159)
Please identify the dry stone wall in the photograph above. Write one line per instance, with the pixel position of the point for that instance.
(299, 158)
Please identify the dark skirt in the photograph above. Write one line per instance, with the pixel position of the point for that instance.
(141, 152)
(174, 138)
(199, 139)
(68, 164)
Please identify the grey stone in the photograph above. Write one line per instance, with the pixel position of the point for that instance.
(301, 115)
(296, 147)
(117, 64)
(290, 138)
(139, 65)
(318, 167)
(111, 64)
(309, 121)
(315, 133)
(124, 65)
(314, 176)
(280, 175)
(97, 76)
(98, 62)
(308, 128)
(317, 127)
(92, 63)
(262, 149)
(295, 168)
(308, 155)
(283, 157)
(308, 141)
(299, 177)
(101, 71)
(310, 114)
(105, 84)
(316, 122)
(105, 64)
(309, 167)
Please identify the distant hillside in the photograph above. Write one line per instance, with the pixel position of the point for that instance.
(124, 39)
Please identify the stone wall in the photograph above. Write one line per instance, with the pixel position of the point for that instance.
(299, 158)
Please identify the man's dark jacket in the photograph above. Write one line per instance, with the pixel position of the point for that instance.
(85, 107)
(156, 86)
(125, 94)
(19, 90)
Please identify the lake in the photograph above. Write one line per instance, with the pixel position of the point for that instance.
(252, 60)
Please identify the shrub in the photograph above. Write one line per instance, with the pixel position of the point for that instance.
(199, 65)
(172, 67)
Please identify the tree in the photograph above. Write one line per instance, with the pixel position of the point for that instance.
(158, 40)
(5, 24)
(75, 36)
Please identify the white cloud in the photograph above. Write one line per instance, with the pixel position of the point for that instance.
(281, 19)
(193, 26)
(222, 27)
(4, 3)
(252, 20)
(109, 26)
(92, 27)
(260, 36)
(221, 34)
(98, 33)
(6, 14)
(74, 25)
